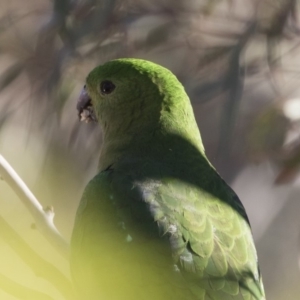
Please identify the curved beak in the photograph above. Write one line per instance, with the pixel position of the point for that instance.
(83, 100)
(85, 107)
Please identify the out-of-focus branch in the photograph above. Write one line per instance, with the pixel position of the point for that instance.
(39, 266)
(19, 291)
(42, 216)
(235, 83)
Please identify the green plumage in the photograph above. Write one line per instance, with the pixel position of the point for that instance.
(157, 221)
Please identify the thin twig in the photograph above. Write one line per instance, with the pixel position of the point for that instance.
(38, 265)
(43, 217)
(235, 83)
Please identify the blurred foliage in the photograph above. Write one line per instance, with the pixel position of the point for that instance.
(205, 42)
(238, 61)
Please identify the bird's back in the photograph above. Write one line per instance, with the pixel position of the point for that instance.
(156, 233)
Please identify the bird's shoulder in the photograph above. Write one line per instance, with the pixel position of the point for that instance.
(210, 236)
(205, 226)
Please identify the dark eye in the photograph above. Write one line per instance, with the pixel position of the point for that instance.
(107, 87)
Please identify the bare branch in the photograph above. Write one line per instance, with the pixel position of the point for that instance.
(235, 83)
(39, 266)
(43, 217)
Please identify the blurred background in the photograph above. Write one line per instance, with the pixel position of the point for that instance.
(240, 64)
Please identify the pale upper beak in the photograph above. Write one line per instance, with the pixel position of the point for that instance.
(84, 100)
(85, 107)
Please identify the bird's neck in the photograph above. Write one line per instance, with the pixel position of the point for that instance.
(139, 141)
(150, 128)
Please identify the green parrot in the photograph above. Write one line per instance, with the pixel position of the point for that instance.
(157, 221)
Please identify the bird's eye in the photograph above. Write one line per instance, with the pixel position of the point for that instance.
(107, 87)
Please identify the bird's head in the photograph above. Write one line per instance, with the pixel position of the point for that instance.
(132, 93)
(136, 102)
